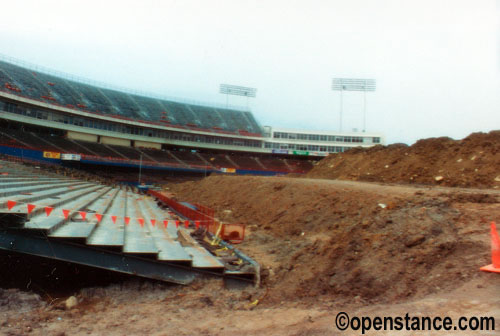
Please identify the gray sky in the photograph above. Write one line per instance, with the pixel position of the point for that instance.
(436, 62)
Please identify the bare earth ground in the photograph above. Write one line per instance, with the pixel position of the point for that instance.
(471, 162)
(324, 246)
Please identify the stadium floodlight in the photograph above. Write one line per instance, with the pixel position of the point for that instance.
(237, 90)
(353, 84)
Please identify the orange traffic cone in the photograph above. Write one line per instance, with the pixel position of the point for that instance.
(495, 252)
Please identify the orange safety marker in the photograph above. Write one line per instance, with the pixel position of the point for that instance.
(11, 204)
(48, 210)
(127, 220)
(83, 214)
(177, 223)
(113, 218)
(186, 224)
(98, 217)
(30, 207)
(165, 223)
(65, 213)
(495, 252)
(153, 222)
(141, 221)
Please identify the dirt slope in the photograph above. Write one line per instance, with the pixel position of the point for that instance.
(205, 308)
(471, 162)
(325, 246)
(321, 239)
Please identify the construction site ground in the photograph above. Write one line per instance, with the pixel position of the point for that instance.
(324, 246)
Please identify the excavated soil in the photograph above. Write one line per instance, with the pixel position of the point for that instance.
(325, 246)
(471, 162)
(320, 239)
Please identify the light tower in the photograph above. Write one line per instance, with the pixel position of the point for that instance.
(236, 90)
(353, 84)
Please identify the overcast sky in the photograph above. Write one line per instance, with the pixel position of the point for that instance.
(436, 62)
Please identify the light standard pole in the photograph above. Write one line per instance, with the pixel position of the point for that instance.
(140, 170)
(364, 111)
(341, 109)
(353, 84)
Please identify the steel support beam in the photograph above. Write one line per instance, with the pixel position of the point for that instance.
(39, 245)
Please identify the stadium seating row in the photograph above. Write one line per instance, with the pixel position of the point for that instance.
(175, 157)
(53, 89)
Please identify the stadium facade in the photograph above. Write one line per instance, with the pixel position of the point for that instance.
(73, 115)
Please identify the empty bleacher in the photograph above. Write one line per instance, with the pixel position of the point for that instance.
(151, 106)
(246, 162)
(79, 148)
(129, 152)
(96, 100)
(177, 112)
(162, 156)
(53, 89)
(10, 141)
(276, 164)
(63, 143)
(252, 124)
(63, 93)
(175, 157)
(218, 160)
(123, 103)
(102, 242)
(240, 121)
(188, 158)
(31, 140)
(99, 149)
(4, 78)
(228, 120)
(26, 80)
(208, 116)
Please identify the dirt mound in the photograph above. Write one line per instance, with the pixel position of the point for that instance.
(16, 300)
(350, 241)
(471, 162)
(324, 246)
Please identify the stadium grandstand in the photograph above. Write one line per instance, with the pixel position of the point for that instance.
(50, 116)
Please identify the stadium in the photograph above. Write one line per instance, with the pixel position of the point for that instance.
(45, 113)
(124, 211)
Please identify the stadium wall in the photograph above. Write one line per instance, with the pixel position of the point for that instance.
(24, 153)
(258, 172)
(82, 136)
(115, 141)
(145, 144)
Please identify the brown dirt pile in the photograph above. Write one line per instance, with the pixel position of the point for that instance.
(471, 162)
(333, 240)
(14, 299)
